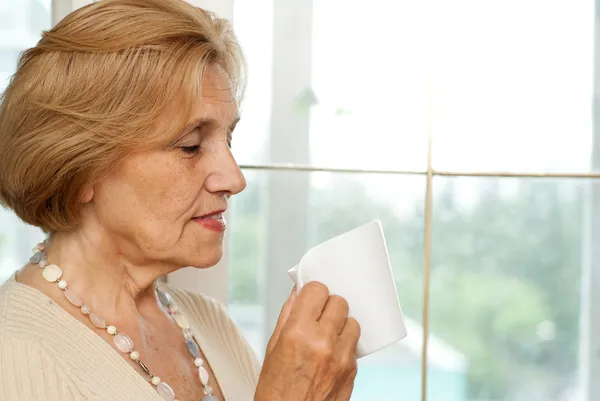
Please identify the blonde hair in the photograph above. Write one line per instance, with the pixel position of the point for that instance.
(112, 76)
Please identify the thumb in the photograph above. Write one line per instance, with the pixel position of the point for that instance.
(282, 319)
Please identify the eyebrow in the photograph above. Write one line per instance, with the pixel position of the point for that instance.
(205, 122)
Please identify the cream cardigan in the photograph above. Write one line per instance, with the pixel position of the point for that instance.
(46, 354)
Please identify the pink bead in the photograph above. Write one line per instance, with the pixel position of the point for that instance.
(97, 321)
(165, 391)
(123, 343)
(73, 297)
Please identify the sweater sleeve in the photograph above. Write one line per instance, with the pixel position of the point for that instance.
(29, 373)
(240, 344)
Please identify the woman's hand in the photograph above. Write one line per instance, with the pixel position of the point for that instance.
(311, 355)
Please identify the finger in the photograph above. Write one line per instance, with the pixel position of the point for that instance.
(282, 319)
(350, 336)
(345, 357)
(345, 392)
(335, 313)
(346, 366)
(310, 302)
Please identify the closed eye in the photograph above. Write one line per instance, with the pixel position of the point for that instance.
(190, 150)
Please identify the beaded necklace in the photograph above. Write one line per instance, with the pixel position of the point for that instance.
(54, 274)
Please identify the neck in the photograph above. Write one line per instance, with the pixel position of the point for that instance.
(106, 274)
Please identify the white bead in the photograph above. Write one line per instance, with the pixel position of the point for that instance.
(42, 263)
(134, 355)
(208, 390)
(52, 273)
(85, 309)
(155, 380)
(111, 330)
(62, 284)
(173, 308)
(198, 362)
(203, 373)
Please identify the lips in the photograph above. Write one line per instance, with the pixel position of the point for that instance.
(213, 215)
(216, 216)
(213, 221)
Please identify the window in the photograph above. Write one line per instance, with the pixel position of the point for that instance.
(20, 28)
(491, 234)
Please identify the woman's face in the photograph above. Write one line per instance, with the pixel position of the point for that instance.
(166, 205)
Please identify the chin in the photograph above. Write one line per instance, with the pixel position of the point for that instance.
(206, 259)
(200, 251)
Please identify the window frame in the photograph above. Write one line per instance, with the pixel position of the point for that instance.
(589, 348)
(290, 152)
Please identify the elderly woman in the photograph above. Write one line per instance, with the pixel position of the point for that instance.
(115, 137)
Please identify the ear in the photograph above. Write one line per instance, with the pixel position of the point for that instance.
(87, 195)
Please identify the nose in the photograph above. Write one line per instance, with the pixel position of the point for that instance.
(226, 177)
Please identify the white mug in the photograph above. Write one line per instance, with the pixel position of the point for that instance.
(356, 266)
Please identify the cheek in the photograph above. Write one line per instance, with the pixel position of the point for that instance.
(151, 202)
(164, 189)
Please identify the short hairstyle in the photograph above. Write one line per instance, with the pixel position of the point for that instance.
(110, 77)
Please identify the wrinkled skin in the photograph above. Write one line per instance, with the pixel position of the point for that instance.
(311, 355)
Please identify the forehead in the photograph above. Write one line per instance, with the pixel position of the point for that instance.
(217, 97)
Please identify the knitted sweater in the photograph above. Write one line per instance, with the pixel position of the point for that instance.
(47, 354)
